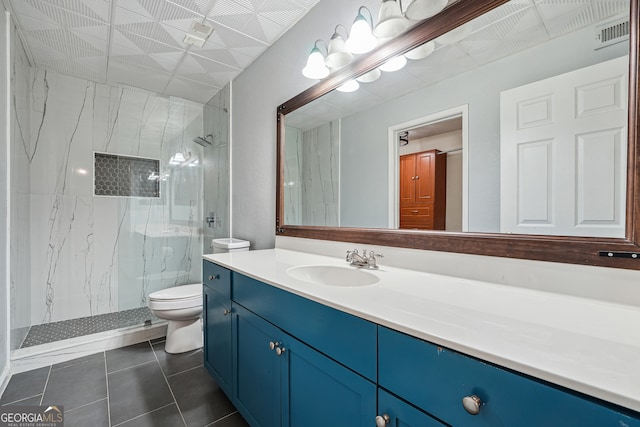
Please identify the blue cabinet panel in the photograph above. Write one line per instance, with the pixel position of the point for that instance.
(322, 392)
(216, 277)
(401, 414)
(256, 368)
(217, 337)
(343, 337)
(436, 380)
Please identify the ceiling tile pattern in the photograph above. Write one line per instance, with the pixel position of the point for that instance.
(140, 43)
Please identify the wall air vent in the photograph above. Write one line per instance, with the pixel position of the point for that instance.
(612, 32)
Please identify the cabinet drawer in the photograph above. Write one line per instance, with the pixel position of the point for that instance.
(437, 379)
(216, 277)
(341, 336)
(421, 212)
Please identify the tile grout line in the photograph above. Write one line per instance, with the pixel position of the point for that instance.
(22, 399)
(46, 383)
(168, 385)
(106, 381)
(222, 418)
(142, 415)
(132, 366)
(86, 404)
(186, 370)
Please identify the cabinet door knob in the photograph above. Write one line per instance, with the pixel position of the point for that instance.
(273, 345)
(382, 420)
(226, 311)
(417, 176)
(472, 404)
(280, 350)
(214, 276)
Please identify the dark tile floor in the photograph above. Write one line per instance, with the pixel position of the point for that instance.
(139, 386)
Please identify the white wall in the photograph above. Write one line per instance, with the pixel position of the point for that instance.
(4, 140)
(272, 79)
(366, 154)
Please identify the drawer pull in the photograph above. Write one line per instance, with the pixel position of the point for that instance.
(472, 404)
(226, 311)
(382, 420)
(214, 277)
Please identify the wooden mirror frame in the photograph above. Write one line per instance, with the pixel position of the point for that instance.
(608, 252)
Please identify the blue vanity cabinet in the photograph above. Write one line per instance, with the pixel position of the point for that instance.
(216, 311)
(398, 413)
(280, 381)
(437, 380)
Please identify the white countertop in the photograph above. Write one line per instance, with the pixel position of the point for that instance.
(587, 345)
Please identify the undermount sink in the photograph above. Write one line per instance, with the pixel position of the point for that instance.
(331, 275)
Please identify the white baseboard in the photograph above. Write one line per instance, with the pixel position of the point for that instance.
(26, 359)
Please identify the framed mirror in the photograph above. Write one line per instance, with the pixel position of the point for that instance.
(522, 116)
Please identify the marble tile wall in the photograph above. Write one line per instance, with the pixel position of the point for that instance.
(21, 157)
(216, 167)
(312, 173)
(88, 254)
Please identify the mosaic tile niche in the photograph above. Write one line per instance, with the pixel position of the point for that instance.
(126, 176)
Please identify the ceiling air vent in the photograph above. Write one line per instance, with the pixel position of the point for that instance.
(612, 32)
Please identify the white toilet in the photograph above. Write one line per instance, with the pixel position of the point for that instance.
(181, 306)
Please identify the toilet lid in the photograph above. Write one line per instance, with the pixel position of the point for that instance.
(177, 293)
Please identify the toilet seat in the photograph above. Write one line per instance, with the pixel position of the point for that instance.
(176, 298)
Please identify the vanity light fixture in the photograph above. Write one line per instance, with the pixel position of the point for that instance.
(391, 23)
(370, 76)
(361, 38)
(337, 54)
(315, 68)
(349, 86)
(394, 64)
(423, 9)
(421, 51)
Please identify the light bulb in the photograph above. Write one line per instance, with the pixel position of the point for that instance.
(349, 86)
(361, 39)
(394, 64)
(315, 68)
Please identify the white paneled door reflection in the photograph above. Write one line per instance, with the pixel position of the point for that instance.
(563, 153)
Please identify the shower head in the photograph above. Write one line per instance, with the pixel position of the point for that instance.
(203, 141)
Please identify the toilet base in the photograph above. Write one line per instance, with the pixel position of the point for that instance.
(183, 335)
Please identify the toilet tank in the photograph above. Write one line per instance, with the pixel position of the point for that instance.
(229, 244)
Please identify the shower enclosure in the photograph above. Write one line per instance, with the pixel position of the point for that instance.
(108, 201)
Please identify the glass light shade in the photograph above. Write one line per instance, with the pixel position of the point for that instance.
(361, 39)
(455, 35)
(394, 64)
(369, 77)
(349, 86)
(315, 68)
(390, 20)
(421, 51)
(423, 9)
(338, 55)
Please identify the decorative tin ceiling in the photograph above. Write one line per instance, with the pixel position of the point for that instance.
(140, 43)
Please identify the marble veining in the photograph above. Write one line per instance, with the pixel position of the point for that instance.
(97, 255)
(312, 160)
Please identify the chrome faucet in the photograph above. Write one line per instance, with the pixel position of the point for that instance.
(356, 260)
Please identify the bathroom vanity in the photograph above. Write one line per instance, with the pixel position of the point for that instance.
(294, 344)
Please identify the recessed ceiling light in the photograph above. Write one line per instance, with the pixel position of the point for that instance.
(198, 34)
